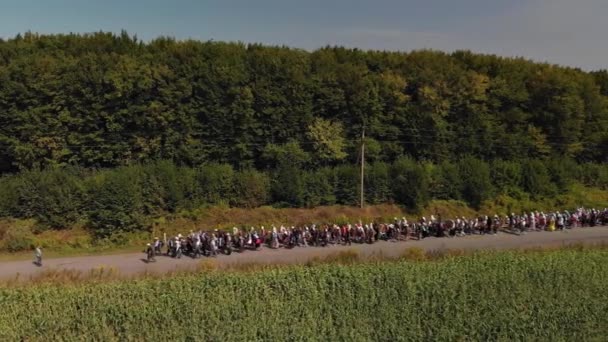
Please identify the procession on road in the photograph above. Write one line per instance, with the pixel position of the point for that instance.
(216, 242)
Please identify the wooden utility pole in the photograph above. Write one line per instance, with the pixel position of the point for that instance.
(362, 203)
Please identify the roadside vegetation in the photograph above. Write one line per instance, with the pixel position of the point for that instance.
(107, 141)
(544, 294)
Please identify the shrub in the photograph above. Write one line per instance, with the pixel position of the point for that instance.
(116, 203)
(410, 183)
(215, 183)
(17, 238)
(18, 243)
(9, 199)
(54, 197)
(506, 176)
(475, 178)
(378, 183)
(287, 185)
(347, 184)
(536, 180)
(251, 188)
(595, 175)
(446, 181)
(319, 187)
(562, 171)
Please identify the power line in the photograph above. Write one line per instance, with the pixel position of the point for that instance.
(263, 144)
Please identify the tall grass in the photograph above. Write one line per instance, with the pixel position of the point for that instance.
(554, 295)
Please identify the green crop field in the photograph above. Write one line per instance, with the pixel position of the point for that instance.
(549, 295)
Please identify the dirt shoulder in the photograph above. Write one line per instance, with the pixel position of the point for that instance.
(134, 263)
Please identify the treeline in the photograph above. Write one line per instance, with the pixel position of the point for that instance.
(103, 100)
(127, 198)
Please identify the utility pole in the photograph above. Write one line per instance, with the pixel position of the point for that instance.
(362, 165)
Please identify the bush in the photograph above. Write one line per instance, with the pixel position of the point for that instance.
(347, 184)
(215, 184)
(9, 199)
(54, 197)
(410, 183)
(287, 185)
(536, 180)
(121, 199)
(116, 203)
(506, 176)
(167, 187)
(562, 171)
(18, 243)
(595, 175)
(446, 181)
(251, 189)
(17, 238)
(475, 178)
(378, 183)
(319, 187)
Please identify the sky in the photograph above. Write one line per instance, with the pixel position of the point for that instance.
(567, 32)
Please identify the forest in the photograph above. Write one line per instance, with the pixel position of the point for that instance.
(108, 129)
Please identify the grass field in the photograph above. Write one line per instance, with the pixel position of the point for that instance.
(543, 295)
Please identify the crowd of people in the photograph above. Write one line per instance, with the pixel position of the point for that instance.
(212, 243)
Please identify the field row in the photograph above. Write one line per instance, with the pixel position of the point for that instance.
(551, 295)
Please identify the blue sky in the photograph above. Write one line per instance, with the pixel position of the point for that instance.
(570, 32)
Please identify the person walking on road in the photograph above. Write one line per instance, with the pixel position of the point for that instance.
(38, 256)
(150, 253)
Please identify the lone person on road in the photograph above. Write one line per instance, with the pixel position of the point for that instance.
(150, 253)
(38, 255)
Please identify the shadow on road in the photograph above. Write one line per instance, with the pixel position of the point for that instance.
(511, 232)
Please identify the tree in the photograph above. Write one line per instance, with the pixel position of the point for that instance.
(290, 153)
(506, 176)
(251, 189)
(327, 139)
(286, 162)
(475, 178)
(410, 183)
(378, 183)
(215, 183)
(116, 203)
(536, 180)
(54, 197)
(447, 181)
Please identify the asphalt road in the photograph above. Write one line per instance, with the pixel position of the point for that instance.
(132, 264)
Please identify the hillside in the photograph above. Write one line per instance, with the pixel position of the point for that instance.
(102, 100)
(110, 131)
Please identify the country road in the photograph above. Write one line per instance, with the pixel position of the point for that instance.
(132, 264)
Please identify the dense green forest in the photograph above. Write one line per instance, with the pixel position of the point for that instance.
(99, 125)
(104, 100)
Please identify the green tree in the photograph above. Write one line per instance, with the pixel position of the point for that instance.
(215, 184)
(378, 183)
(319, 187)
(536, 180)
(506, 176)
(410, 183)
(476, 182)
(116, 203)
(252, 189)
(327, 139)
(446, 181)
